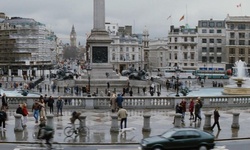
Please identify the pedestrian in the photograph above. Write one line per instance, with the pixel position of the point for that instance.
(183, 107)
(19, 111)
(178, 110)
(191, 109)
(36, 110)
(4, 102)
(3, 118)
(113, 102)
(123, 114)
(119, 100)
(51, 104)
(216, 119)
(59, 105)
(42, 110)
(108, 85)
(201, 104)
(131, 92)
(25, 114)
(197, 111)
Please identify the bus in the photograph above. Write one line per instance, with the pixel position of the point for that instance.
(172, 73)
(211, 74)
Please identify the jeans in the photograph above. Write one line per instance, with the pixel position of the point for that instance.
(59, 109)
(36, 114)
(125, 122)
(2, 121)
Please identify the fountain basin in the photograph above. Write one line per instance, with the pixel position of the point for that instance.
(235, 90)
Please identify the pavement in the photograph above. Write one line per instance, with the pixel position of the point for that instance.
(99, 123)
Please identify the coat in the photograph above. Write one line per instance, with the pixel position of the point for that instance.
(216, 116)
(113, 102)
(122, 113)
(191, 106)
(119, 100)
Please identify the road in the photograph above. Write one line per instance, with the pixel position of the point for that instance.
(221, 145)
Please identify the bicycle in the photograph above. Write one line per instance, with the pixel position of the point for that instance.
(81, 130)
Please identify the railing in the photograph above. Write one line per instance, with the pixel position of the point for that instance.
(143, 102)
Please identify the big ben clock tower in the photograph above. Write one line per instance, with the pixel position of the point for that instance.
(73, 37)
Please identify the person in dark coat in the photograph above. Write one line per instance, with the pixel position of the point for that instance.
(216, 119)
(197, 108)
(3, 118)
(119, 101)
(4, 101)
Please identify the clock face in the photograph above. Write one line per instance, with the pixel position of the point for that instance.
(100, 54)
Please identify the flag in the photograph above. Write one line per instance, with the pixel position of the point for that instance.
(239, 5)
(182, 18)
(169, 17)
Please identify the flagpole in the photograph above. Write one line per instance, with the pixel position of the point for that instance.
(186, 17)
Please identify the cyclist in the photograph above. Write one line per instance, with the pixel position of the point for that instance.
(45, 133)
(75, 115)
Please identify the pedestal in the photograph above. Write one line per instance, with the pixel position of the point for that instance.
(18, 123)
(50, 120)
(177, 120)
(235, 124)
(114, 124)
(207, 125)
(146, 123)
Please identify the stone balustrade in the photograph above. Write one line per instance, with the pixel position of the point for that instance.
(141, 102)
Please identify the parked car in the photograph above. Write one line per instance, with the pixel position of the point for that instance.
(179, 138)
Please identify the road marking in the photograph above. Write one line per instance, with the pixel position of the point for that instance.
(220, 148)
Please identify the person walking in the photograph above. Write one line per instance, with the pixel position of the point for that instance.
(59, 105)
(183, 106)
(178, 110)
(216, 119)
(51, 104)
(123, 114)
(42, 110)
(3, 118)
(197, 111)
(191, 109)
(113, 102)
(119, 100)
(36, 110)
(25, 114)
(4, 101)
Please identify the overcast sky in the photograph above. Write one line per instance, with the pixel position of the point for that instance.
(60, 15)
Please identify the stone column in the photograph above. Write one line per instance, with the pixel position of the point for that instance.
(114, 124)
(83, 121)
(146, 123)
(18, 123)
(207, 125)
(235, 124)
(99, 14)
(50, 120)
(177, 120)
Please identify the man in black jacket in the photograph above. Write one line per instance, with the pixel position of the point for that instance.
(3, 117)
(216, 119)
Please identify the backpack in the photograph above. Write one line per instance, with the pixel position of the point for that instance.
(1, 115)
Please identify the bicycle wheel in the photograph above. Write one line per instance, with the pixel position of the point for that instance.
(69, 131)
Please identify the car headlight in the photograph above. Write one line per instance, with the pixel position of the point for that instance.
(143, 144)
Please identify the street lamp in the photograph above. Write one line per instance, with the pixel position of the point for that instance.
(89, 71)
(177, 71)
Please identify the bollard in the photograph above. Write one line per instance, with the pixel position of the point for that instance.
(114, 124)
(18, 123)
(177, 120)
(83, 121)
(235, 124)
(146, 123)
(50, 120)
(207, 125)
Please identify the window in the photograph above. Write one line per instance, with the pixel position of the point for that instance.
(204, 40)
(121, 49)
(175, 47)
(192, 39)
(175, 56)
(160, 59)
(231, 60)
(231, 42)
(241, 26)
(122, 57)
(218, 40)
(211, 49)
(185, 39)
(113, 56)
(219, 24)
(241, 42)
(185, 47)
(241, 35)
(175, 39)
(219, 31)
(133, 57)
(211, 24)
(179, 135)
(170, 56)
(241, 51)
(133, 49)
(231, 51)
(204, 31)
(219, 50)
(192, 55)
(169, 39)
(218, 59)
(211, 31)
(204, 24)
(185, 55)
(192, 47)
(127, 49)
(231, 34)
(192, 64)
(185, 64)
(211, 40)
(232, 26)
(204, 49)
(204, 59)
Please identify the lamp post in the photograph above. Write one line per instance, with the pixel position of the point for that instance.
(204, 71)
(89, 71)
(177, 71)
